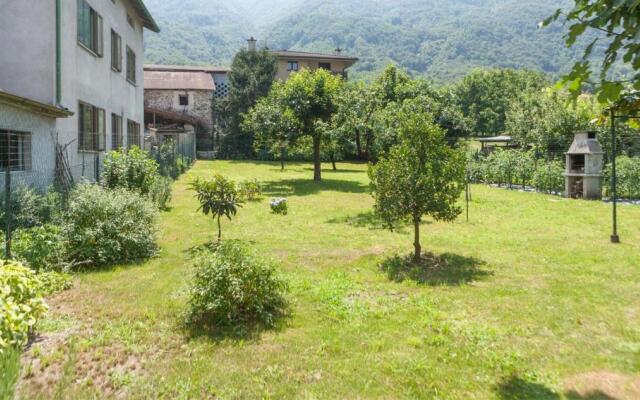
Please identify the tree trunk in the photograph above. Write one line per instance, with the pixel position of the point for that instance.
(317, 166)
(358, 145)
(333, 162)
(417, 254)
(282, 150)
(219, 230)
(369, 144)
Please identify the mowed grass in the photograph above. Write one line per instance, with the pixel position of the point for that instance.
(537, 303)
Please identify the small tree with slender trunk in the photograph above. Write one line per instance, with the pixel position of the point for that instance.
(218, 197)
(421, 175)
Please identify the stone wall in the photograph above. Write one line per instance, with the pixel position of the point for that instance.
(200, 106)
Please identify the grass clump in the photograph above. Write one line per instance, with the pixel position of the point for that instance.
(232, 290)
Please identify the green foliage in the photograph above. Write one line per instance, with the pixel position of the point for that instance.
(548, 177)
(160, 192)
(438, 40)
(279, 206)
(9, 372)
(106, 227)
(251, 77)
(169, 164)
(42, 248)
(275, 129)
(627, 177)
(547, 120)
(53, 282)
(218, 197)
(250, 190)
(131, 169)
(232, 288)
(484, 96)
(621, 25)
(420, 176)
(21, 304)
(308, 98)
(30, 208)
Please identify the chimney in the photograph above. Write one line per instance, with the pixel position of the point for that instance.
(252, 44)
(337, 51)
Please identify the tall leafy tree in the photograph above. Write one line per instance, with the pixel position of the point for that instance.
(251, 77)
(484, 96)
(310, 98)
(421, 175)
(618, 24)
(276, 128)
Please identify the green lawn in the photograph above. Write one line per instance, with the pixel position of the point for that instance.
(537, 304)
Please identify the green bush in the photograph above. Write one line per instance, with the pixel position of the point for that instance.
(29, 208)
(160, 193)
(628, 177)
(41, 247)
(53, 282)
(231, 288)
(172, 165)
(21, 304)
(250, 190)
(105, 227)
(131, 169)
(548, 177)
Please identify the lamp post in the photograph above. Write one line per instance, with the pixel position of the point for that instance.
(614, 236)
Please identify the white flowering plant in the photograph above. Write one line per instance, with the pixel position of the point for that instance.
(279, 206)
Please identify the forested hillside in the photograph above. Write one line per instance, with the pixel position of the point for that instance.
(440, 40)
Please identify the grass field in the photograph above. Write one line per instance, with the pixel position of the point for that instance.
(535, 304)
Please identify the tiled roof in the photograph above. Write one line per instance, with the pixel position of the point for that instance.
(190, 68)
(304, 54)
(178, 80)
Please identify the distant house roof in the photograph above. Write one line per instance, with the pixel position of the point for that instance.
(190, 68)
(144, 14)
(178, 80)
(33, 105)
(314, 56)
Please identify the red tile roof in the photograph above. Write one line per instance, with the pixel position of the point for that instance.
(182, 80)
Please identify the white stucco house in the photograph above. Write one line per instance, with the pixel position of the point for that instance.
(71, 75)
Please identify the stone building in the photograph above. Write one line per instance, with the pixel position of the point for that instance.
(70, 75)
(179, 92)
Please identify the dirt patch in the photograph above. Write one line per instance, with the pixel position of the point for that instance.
(603, 385)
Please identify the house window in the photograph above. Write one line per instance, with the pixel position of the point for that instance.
(293, 66)
(131, 65)
(133, 134)
(116, 131)
(116, 51)
(15, 150)
(91, 127)
(326, 66)
(89, 28)
(183, 99)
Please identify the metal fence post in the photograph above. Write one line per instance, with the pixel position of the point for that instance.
(97, 168)
(8, 212)
(614, 237)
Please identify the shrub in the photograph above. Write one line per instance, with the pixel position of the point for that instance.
(218, 197)
(250, 190)
(21, 304)
(41, 247)
(131, 169)
(279, 206)
(231, 288)
(160, 192)
(28, 208)
(52, 282)
(548, 177)
(103, 227)
(628, 177)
